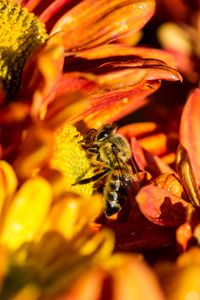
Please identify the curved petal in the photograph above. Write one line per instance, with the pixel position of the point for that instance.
(162, 207)
(190, 130)
(41, 72)
(186, 175)
(91, 22)
(104, 91)
(155, 69)
(113, 50)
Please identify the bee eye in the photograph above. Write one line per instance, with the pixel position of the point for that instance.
(103, 135)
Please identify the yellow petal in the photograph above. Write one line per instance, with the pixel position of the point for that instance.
(174, 37)
(29, 292)
(73, 214)
(27, 212)
(8, 182)
(101, 245)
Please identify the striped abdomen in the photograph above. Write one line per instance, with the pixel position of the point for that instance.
(116, 190)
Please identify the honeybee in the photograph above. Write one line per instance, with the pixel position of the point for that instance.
(113, 151)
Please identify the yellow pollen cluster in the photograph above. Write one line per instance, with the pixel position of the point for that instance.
(71, 160)
(20, 33)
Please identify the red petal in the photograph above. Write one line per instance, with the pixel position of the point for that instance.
(155, 69)
(162, 207)
(141, 236)
(52, 9)
(118, 109)
(2, 94)
(190, 130)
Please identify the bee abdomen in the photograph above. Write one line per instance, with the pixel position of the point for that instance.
(115, 192)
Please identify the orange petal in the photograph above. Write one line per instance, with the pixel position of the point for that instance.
(147, 161)
(180, 280)
(129, 274)
(103, 100)
(162, 207)
(113, 50)
(64, 108)
(184, 234)
(138, 129)
(155, 69)
(155, 143)
(168, 182)
(14, 112)
(117, 110)
(34, 151)
(91, 23)
(190, 130)
(41, 72)
(186, 175)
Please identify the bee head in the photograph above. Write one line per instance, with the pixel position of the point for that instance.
(105, 131)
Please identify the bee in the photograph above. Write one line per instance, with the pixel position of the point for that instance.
(113, 151)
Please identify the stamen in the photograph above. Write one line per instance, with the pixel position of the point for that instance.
(71, 160)
(20, 33)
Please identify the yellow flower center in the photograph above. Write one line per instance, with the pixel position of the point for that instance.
(20, 33)
(71, 160)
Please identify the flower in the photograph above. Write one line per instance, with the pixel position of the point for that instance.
(123, 276)
(179, 279)
(176, 205)
(50, 76)
(125, 78)
(48, 238)
(45, 237)
(159, 134)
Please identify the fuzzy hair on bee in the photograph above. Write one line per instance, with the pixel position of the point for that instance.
(112, 150)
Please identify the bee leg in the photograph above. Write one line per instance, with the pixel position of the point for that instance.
(94, 149)
(88, 135)
(93, 178)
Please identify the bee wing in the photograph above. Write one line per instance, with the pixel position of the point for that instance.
(129, 179)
